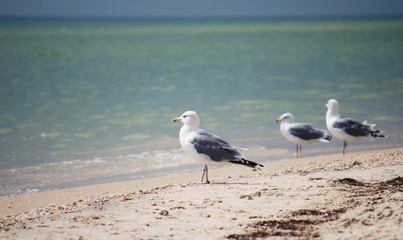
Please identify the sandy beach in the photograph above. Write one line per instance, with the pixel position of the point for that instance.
(353, 196)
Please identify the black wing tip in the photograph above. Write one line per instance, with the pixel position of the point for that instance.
(374, 133)
(378, 135)
(247, 163)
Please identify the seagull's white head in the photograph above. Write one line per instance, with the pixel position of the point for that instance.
(286, 117)
(189, 118)
(333, 106)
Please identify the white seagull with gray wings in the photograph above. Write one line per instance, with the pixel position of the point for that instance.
(300, 133)
(347, 128)
(206, 147)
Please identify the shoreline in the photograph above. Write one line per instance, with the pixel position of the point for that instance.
(23, 214)
(86, 172)
(28, 201)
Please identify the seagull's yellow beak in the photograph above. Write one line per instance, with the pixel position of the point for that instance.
(176, 120)
(325, 105)
(277, 120)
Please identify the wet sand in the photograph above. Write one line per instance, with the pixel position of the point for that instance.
(355, 196)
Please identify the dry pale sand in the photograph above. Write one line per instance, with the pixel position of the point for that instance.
(355, 196)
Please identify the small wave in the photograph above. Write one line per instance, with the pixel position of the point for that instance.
(28, 190)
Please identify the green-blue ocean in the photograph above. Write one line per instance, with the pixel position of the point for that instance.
(87, 101)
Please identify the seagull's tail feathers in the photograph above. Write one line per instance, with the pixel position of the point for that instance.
(375, 133)
(245, 162)
(326, 138)
(372, 131)
(371, 125)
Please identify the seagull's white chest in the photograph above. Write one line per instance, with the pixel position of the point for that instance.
(329, 124)
(284, 128)
(186, 142)
(330, 120)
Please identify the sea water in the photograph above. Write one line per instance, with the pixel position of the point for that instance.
(91, 100)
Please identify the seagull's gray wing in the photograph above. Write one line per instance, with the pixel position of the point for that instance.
(352, 127)
(306, 131)
(214, 147)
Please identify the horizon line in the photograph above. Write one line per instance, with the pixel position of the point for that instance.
(304, 16)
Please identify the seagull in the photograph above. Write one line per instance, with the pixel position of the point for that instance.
(206, 147)
(347, 129)
(300, 133)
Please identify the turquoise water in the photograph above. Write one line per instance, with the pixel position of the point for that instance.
(93, 99)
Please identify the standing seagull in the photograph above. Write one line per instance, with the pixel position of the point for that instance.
(300, 133)
(205, 147)
(347, 129)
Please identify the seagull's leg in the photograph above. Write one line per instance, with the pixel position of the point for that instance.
(204, 171)
(296, 148)
(344, 146)
(207, 181)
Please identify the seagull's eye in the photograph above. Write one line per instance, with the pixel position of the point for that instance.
(184, 116)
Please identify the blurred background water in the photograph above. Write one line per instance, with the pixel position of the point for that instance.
(91, 100)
